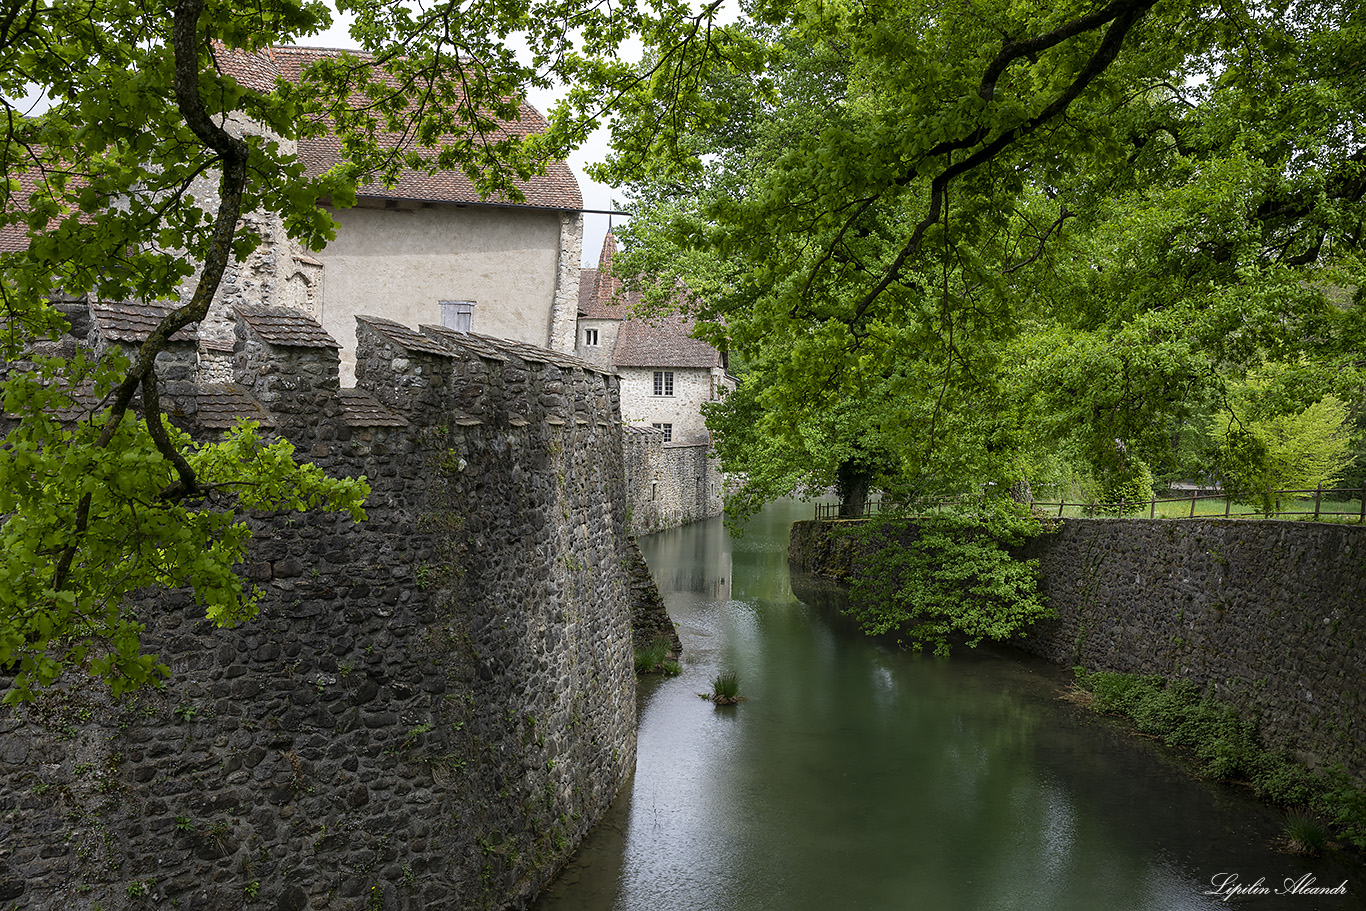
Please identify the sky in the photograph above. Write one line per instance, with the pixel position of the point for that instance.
(595, 195)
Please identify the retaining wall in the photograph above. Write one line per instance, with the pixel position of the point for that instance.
(1269, 616)
(669, 484)
(432, 707)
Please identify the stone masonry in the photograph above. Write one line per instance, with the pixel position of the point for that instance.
(1265, 615)
(431, 708)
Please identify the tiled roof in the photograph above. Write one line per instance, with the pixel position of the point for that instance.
(256, 71)
(221, 407)
(14, 238)
(133, 322)
(657, 341)
(607, 300)
(556, 189)
(286, 327)
(662, 341)
(588, 290)
(361, 409)
(404, 337)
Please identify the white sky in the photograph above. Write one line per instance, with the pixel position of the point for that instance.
(595, 195)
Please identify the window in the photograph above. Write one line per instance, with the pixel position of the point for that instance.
(668, 431)
(458, 315)
(664, 382)
(590, 338)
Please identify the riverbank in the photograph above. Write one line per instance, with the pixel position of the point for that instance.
(1264, 615)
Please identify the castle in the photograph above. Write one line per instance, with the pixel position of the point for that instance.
(431, 708)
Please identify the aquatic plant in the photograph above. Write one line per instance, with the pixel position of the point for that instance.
(655, 659)
(725, 689)
(1305, 833)
(1228, 746)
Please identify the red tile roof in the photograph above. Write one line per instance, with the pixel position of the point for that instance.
(658, 341)
(662, 341)
(556, 189)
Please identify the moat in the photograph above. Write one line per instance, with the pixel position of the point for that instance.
(861, 776)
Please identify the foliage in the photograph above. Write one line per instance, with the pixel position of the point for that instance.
(725, 689)
(132, 182)
(1265, 444)
(1129, 486)
(1227, 745)
(930, 578)
(960, 243)
(72, 611)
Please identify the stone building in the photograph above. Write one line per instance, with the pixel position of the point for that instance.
(430, 250)
(666, 374)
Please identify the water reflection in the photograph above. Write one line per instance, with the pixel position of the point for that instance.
(863, 777)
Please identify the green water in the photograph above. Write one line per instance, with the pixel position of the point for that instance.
(861, 777)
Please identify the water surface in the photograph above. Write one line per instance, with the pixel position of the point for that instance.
(858, 776)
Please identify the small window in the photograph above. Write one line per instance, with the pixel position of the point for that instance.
(668, 431)
(590, 338)
(458, 315)
(664, 382)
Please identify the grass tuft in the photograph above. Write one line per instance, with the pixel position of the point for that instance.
(1304, 832)
(725, 689)
(655, 659)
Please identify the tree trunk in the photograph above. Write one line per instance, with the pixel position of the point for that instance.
(852, 484)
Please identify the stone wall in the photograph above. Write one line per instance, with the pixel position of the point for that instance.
(1269, 616)
(431, 708)
(669, 484)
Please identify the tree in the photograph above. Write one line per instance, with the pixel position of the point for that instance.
(98, 198)
(1015, 231)
(1269, 439)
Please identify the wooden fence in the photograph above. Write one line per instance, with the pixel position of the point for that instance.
(1316, 504)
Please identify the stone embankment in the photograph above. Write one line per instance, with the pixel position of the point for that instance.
(1269, 616)
(432, 707)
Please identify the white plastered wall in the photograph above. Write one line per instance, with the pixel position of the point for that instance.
(399, 263)
(683, 409)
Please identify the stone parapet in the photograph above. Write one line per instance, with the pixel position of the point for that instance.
(431, 708)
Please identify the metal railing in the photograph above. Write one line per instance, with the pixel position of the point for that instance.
(1316, 504)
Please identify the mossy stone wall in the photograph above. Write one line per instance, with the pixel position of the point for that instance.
(1266, 615)
(432, 708)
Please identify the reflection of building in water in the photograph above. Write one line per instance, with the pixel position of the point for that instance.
(688, 560)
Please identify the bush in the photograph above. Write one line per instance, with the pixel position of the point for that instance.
(1130, 487)
(932, 577)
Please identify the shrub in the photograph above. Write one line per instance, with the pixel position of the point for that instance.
(932, 577)
(1228, 747)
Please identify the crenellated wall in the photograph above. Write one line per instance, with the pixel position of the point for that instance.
(432, 707)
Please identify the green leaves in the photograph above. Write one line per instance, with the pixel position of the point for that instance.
(132, 540)
(931, 579)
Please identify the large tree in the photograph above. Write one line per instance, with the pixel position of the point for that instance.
(139, 108)
(1004, 234)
